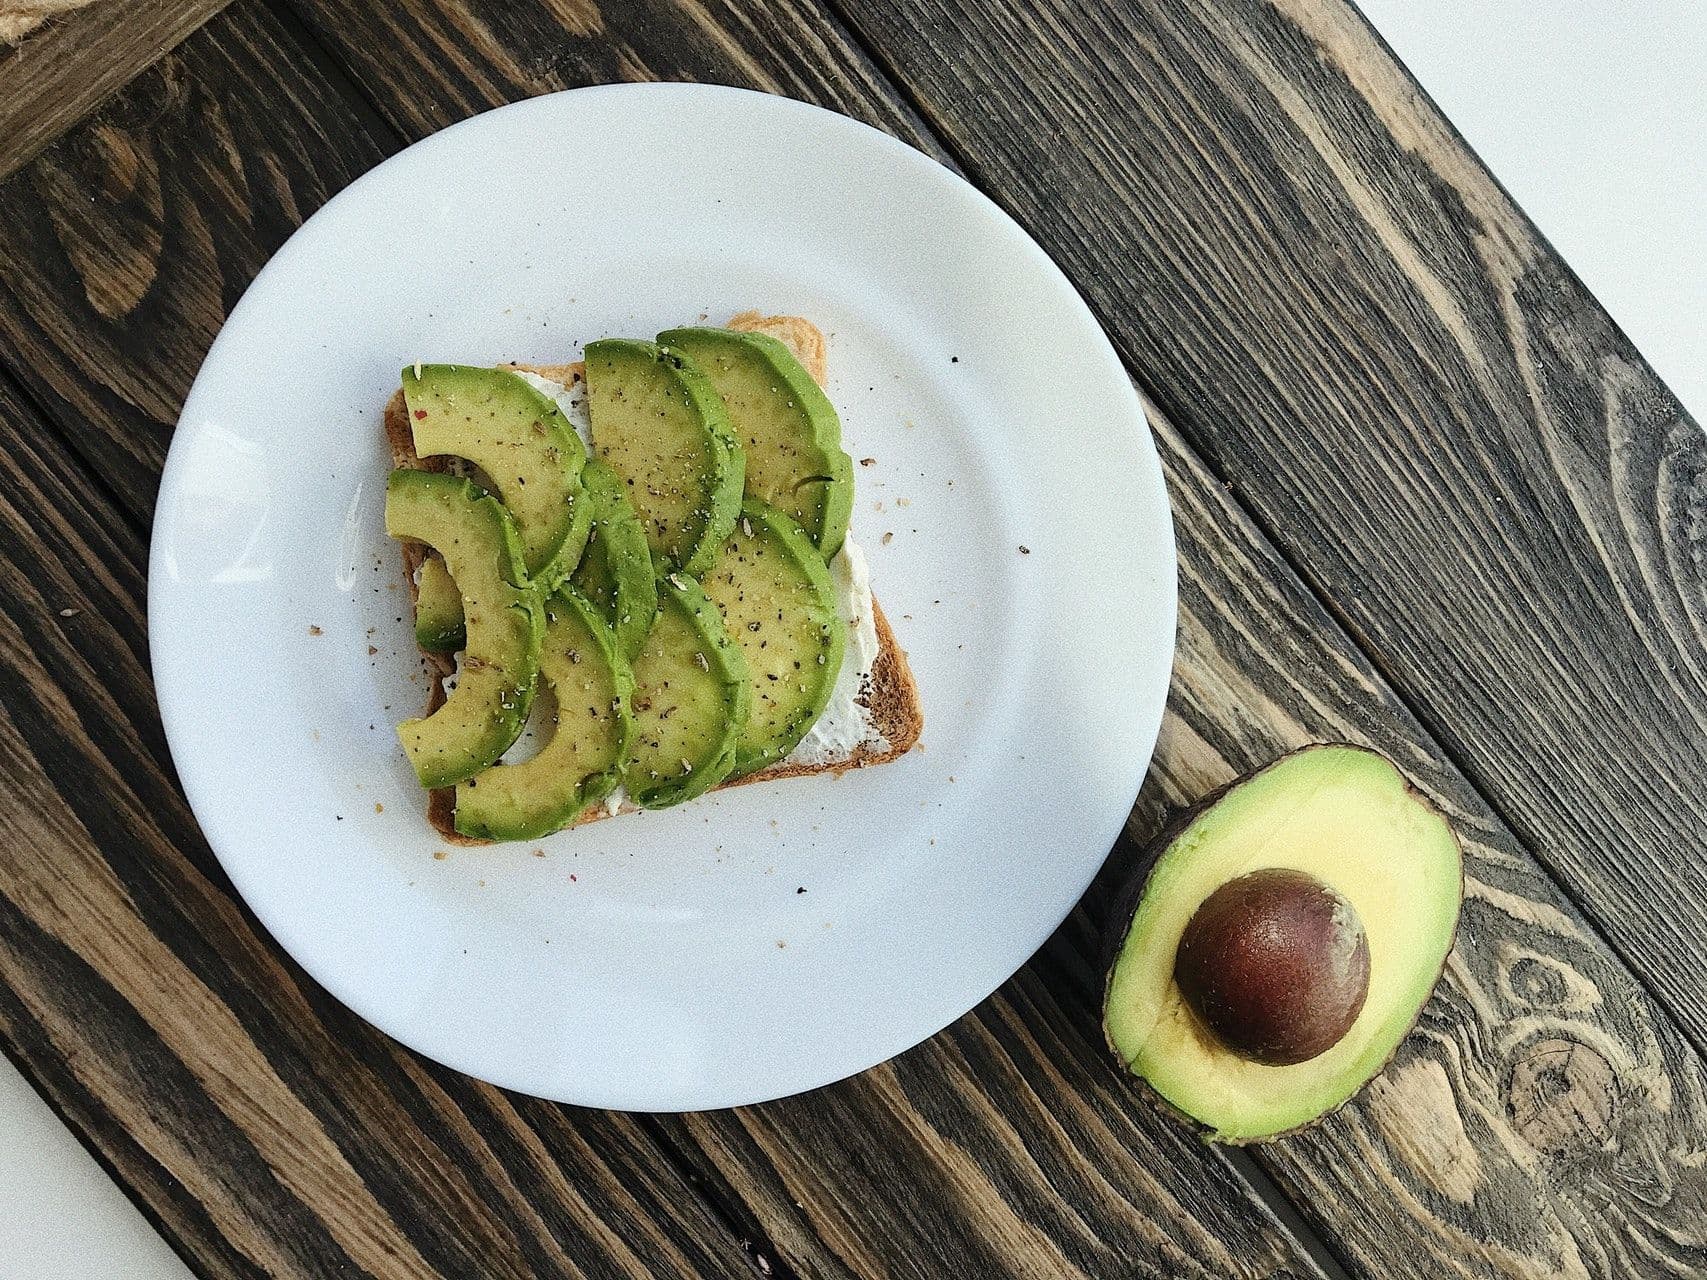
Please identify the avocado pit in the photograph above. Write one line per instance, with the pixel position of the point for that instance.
(1275, 964)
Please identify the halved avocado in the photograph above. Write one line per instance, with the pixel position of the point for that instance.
(662, 428)
(615, 573)
(691, 697)
(778, 605)
(787, 427)
(438, 609)
(1234, 989)
(589, 684)
(485, 713)
(520, 439)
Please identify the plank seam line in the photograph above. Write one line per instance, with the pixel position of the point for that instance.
(327, 61)
(18, 163)
(1431, 728)
(1434, 730)
(761, 1255)
(79, 457)
(1288, 1216)
(1364, 644)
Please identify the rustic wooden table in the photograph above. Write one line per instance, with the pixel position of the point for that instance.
(1427, 497)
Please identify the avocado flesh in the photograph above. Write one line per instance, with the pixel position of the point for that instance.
(690, 702)
(615, 574)
(485, 713)
(438, 609)
(1346, 816)
(778, 605)
(589, 683)
(662, 428)
(786, 424)
(520, 439)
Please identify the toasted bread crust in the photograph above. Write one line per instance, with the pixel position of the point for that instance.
(798, 334)
(892, 697)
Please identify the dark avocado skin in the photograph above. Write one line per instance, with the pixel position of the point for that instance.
(1119, 924)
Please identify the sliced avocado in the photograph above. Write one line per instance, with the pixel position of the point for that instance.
(615, 573)
(691, 697)
(589, 684)
(1280, 940)
(518, 436)
(786, 424)
(778, 605)
(662, 428)
(485, 713)
(438, 609)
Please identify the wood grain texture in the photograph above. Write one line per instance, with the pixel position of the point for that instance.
(1500, 1232)
(61, 71)
(1432, 417)
(264, 1127)
(1496, 1145)
(197, 185)
(427, 63)
(1547, 1118)
(1175, 1209)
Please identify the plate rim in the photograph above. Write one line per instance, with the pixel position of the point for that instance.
(176, 716)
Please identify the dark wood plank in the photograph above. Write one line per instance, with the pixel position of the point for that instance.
(238, 83)
(1381, 1169)
(426, 64)
(264, 1127)
(63, 69)
(1004, 1146)
(1547, 1118)
(1434, 419)
(1242, 710)
(197, 187)
(1006, 1121)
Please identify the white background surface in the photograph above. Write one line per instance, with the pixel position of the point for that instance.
(61, 1217)
(1594, 116)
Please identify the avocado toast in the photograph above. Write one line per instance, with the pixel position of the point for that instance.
(703, 620)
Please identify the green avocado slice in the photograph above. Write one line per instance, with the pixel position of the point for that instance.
(691, 696)
(1346, 819)
(786, 424)
(615, 573)
(589, 684)
(661, 427)
(779, 606)
(485, 713)
(438, 609)
(520, 439)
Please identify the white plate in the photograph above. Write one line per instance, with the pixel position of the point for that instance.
(670, 961)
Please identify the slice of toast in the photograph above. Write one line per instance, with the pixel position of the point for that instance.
(891, 696)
